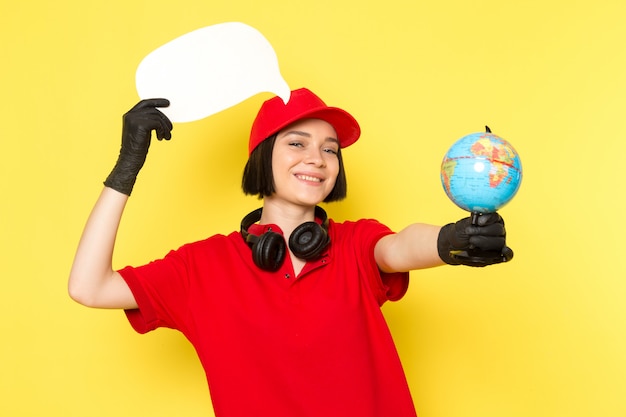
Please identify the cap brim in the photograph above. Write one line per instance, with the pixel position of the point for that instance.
(346, 126)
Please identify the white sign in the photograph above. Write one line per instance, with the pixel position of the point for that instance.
(209, 70)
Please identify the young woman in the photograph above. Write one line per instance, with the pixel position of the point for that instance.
(285, 312)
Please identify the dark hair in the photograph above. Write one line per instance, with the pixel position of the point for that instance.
(258, 178)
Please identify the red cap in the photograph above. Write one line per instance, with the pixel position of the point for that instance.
(275, 115)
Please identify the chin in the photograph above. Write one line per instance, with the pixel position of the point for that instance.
(309, 201)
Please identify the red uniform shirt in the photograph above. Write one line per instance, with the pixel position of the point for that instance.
(277, 345)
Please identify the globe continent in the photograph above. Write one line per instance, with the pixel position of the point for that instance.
(481, 172)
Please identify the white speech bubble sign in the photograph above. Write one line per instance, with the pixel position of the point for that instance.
(209, 70)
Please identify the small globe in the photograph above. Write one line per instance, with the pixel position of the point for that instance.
(481, 172)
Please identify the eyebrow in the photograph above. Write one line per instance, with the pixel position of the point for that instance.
(308, 135)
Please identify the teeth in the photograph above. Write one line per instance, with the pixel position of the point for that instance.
(308, 178)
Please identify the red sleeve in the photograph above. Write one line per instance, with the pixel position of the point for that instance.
(392, 286)
(161, 289)
(144, 318)
(362, 236)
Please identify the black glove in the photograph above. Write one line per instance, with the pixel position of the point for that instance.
(137, 129)
(474, 241)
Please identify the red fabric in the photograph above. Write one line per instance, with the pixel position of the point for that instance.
(275, 345)
(274, 115)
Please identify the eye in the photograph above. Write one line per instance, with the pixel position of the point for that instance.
(331, 151)
(296, 144)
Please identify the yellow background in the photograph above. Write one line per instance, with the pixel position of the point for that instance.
(544, 335)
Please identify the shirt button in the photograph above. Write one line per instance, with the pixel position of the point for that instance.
(287, 276)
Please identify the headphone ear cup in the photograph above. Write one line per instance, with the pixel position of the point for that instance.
(308, 240)
(268, 252)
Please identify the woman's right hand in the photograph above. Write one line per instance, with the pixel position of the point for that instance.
(139, 122)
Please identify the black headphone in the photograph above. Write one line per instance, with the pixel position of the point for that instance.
(307, 241)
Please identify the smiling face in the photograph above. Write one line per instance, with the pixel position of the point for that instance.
(304, 162)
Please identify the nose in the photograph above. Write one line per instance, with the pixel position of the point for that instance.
(315, 156)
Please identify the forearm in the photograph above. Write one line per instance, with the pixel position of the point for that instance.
(92, 268)
(414, 247)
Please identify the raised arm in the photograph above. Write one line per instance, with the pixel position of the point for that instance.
(420, 246)
(92, 281)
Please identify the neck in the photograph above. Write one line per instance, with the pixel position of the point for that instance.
(286, 216)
